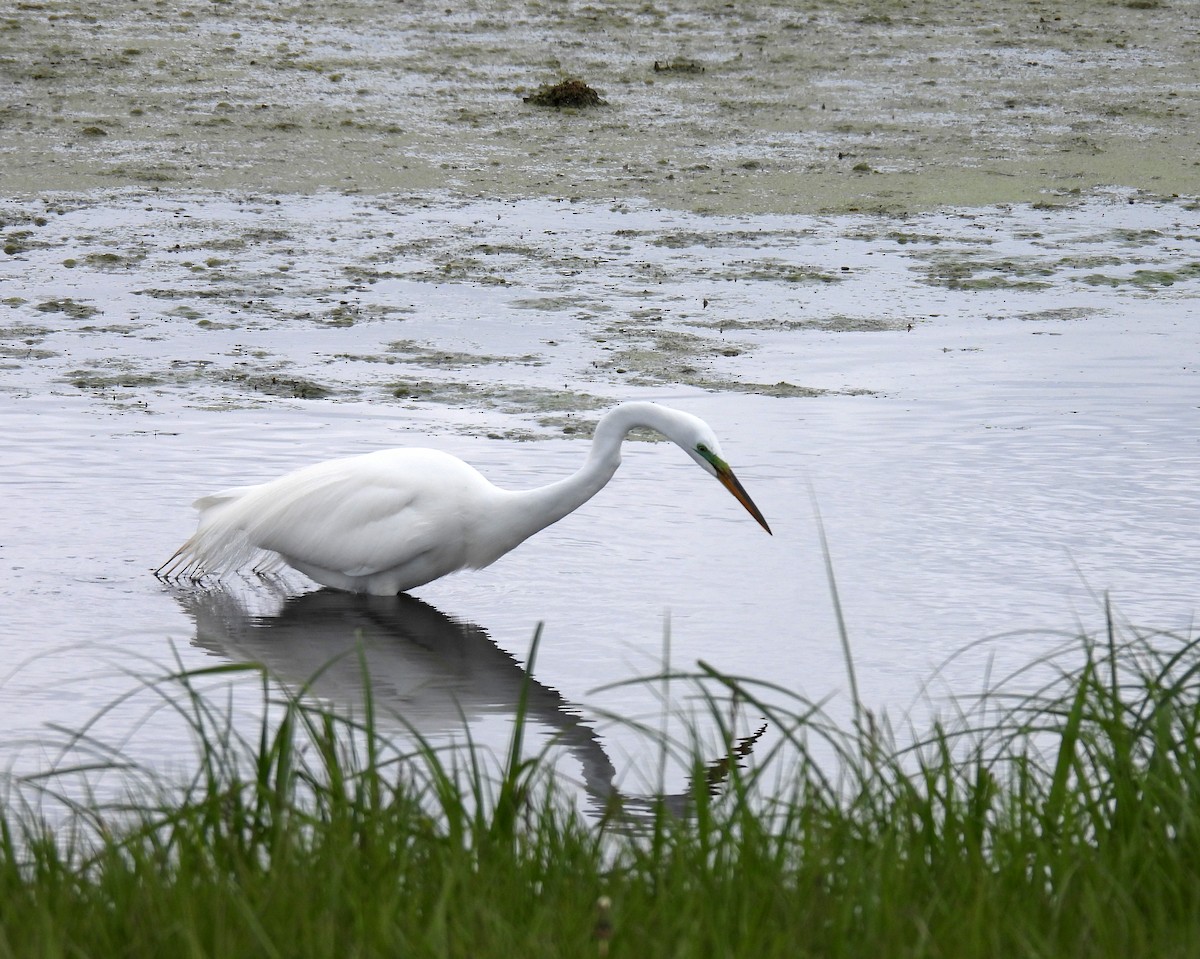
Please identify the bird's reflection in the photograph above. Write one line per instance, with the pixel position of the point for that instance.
(433, 672)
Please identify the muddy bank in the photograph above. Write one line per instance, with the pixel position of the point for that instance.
(770, 106)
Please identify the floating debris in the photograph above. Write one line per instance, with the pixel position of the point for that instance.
(569, 93)
(678, 66)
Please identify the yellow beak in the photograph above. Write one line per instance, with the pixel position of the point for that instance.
(730, 482)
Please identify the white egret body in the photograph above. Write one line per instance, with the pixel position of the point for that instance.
(395, 519)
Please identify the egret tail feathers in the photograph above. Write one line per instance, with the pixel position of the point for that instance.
(220, 544)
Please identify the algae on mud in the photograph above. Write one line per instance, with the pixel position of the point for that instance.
(809, 106)
(478, 301)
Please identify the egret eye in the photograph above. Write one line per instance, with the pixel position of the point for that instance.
(701, 448)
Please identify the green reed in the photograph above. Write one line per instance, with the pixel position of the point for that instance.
(1062, 821)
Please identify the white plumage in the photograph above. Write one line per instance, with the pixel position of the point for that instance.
(392, 520)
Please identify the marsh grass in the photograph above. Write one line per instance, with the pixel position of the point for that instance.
(1059, 822)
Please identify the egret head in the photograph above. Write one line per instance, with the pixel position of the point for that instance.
(701, 445)
(705, 449)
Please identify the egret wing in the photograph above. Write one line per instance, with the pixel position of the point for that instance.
(356, 516)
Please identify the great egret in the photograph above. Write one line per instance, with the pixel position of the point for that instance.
(395, 519)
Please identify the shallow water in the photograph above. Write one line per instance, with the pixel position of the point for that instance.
(995, 412)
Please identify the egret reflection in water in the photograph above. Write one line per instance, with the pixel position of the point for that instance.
(431, 672)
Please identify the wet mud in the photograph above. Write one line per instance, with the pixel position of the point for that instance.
(754, 107)
(237, 204)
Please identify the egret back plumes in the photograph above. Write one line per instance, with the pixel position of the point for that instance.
(395, 519)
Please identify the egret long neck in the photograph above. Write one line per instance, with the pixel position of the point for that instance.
(529, 511)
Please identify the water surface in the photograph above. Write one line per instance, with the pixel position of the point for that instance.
(994, 411)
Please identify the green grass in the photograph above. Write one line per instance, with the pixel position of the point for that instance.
(1062, 822)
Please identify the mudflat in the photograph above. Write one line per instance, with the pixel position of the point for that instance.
(748, 107)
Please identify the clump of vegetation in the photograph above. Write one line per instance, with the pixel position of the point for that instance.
(73, 309)
(678, 66)
(1063, 821)
(568, 93)
(289, 387)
